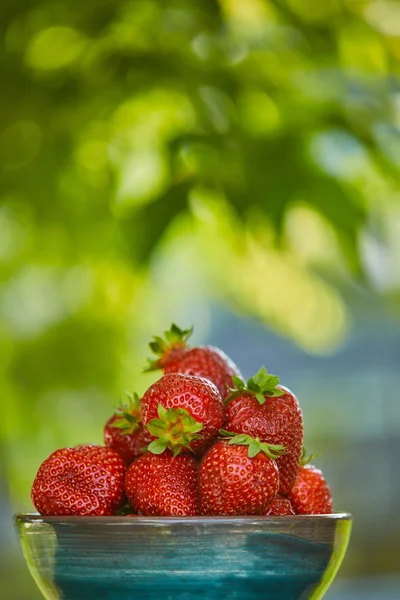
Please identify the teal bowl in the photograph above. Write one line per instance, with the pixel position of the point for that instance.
(204, 558)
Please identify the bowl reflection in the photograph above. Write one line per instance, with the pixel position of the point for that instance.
(204, 558)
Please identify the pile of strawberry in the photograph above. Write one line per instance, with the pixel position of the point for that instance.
(200, 441)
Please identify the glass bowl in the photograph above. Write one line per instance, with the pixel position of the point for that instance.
(203, 558)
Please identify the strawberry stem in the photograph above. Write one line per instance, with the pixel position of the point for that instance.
(255, 445)
(174, 338)
(174, 429)
(262, 384)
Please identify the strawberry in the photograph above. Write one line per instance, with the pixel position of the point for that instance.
(86, 480)
(238, 477)
(279, 506)
(310, 494)
(264, 409)
(163, 485)
(203, 361)
(182, 412)
(124, 431)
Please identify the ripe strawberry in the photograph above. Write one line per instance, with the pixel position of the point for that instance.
(124, 431)
(238, 477)
(203, 361)
(163, 485)
(271, 412)
(185, 405)
(310, 494)
(279, 506)
(86, 480)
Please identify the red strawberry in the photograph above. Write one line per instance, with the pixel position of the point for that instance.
(177, 407)
(124, 431)
(271, 412)
(279, 506)
(86, 480)
(238, 477)
(163, 485)
(203, 361)
(310, 494)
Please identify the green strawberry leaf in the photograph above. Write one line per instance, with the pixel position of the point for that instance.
(226, 433)
(129, 417)
(156, 427)
(254, 448)
(163, 412)
(255, 445)
(261, 386)
(306, 460)
(261, 398)
(173, 337)
(121, 424)
(175, 427)
(158, 446)
(239, 383)
(176, 334)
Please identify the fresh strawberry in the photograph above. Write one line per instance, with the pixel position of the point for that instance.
(163, 485)
(310, 494)
(182, 412)
(124, 431)
(264, 409)
(280, 506)
(86, 480)
(203, 361)
(238, 477)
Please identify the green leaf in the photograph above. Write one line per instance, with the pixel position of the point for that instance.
(162, 412)
(176, 449)
(306, 460)
(277, 392)
(156, 427)
(190, 425)
(158, 446)
(238, 382)
(252, 385)
(272, 453)
(176, 334)
(152, 365)
(224, 432)
(261, 398)
(254, 444)
(121, 424)
(239, 439)
(176, 426)
(254, 448)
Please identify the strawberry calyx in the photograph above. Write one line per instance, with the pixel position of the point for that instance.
(128, 415)
(306, 460)
(174, 339)
(174, 429)
(262, 384)
(255, 445)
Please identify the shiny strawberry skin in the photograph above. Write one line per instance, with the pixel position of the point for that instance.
(279, 507)
(278, 421)
(311, 494)
(231, 483)
(163, 485)
(197, 395)
(128, 445)
(84, 481)
(203, 361)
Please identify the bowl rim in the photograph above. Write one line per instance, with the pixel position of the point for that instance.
(152, 520)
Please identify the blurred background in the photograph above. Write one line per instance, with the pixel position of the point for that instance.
(229, 164)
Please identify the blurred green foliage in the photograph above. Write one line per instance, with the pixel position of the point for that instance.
(156, 155)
